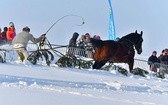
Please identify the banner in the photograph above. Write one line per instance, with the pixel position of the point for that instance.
(112, 35)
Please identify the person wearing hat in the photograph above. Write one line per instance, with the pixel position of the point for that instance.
(152, 60)
(96, 37)
(72, 41)
(88, 47)
(4, 34)
(163, 60)
(10, 34)
(72, 44)
(1, 37)
(21, 40)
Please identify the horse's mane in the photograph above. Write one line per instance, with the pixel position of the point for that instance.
(99, 43)
(128, 36)
(96, 43)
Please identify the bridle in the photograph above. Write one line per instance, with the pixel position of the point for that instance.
(133, 43)
(139, 42)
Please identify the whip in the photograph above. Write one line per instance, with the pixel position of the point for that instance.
(49, 44)
(63, 18)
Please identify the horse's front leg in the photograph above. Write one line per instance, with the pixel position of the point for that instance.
(131, 64)
(98, 65)
(95, 65)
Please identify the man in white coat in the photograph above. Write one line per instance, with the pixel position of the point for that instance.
(21, 40)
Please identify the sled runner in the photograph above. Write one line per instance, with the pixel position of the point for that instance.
(76, 57)
(2, 55)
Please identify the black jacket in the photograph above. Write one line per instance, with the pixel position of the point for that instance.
(4, 33)
(153, 59)
(72, 42)
(164, 59)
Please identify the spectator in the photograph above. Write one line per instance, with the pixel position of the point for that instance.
(4, 34)
(164, 60)
(81, 42)
(152, 60)
(117, 39)
(1, 37)
(96, 37)
(89, 47)
(10, 32)
(72, 44)
(160, 55)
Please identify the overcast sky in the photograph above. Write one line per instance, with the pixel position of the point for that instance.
(149, 16)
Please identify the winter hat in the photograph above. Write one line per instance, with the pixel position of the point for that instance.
(75, 35)
(27, 29)
(87, 35)
(11, 24)
(97, 37)
(5, 28)
(154, 52)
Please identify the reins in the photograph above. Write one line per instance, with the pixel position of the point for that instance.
(51, 48)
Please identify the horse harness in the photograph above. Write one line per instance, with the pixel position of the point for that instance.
(130, 47)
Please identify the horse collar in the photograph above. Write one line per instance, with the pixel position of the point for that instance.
(130, 46)
(130, 41)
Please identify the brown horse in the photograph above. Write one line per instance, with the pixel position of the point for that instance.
(121, 51)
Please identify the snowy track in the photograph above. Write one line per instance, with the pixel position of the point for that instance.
(18, 81)
(78, 87)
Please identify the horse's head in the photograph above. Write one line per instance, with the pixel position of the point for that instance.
(137, 40)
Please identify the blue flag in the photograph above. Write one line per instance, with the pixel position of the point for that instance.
(112, 35)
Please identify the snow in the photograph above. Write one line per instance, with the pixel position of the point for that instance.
(42, 85)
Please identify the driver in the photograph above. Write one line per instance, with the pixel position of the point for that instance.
(21, 40)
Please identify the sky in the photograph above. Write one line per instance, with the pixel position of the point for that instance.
(42, 85)
(129, 15)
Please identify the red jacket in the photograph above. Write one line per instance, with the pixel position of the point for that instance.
(1, 36)
(10, 34)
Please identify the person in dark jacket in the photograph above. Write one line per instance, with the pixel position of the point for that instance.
(72, 44)
(152, 60)
(1, 38)
(4, 34)
(160, 55)
(164, 60)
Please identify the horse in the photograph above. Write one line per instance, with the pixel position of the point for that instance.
(121, 51)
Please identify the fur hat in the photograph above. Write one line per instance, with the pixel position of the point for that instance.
(96, 37)
(11, 24)
(27, 29)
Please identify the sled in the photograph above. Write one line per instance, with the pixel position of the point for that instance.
(63, 55)
(76, 57)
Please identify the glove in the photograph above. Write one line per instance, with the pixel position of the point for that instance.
(43, 36)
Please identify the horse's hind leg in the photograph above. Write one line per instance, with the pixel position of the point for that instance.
(94, 65)
(98, 65)
(131, 64)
